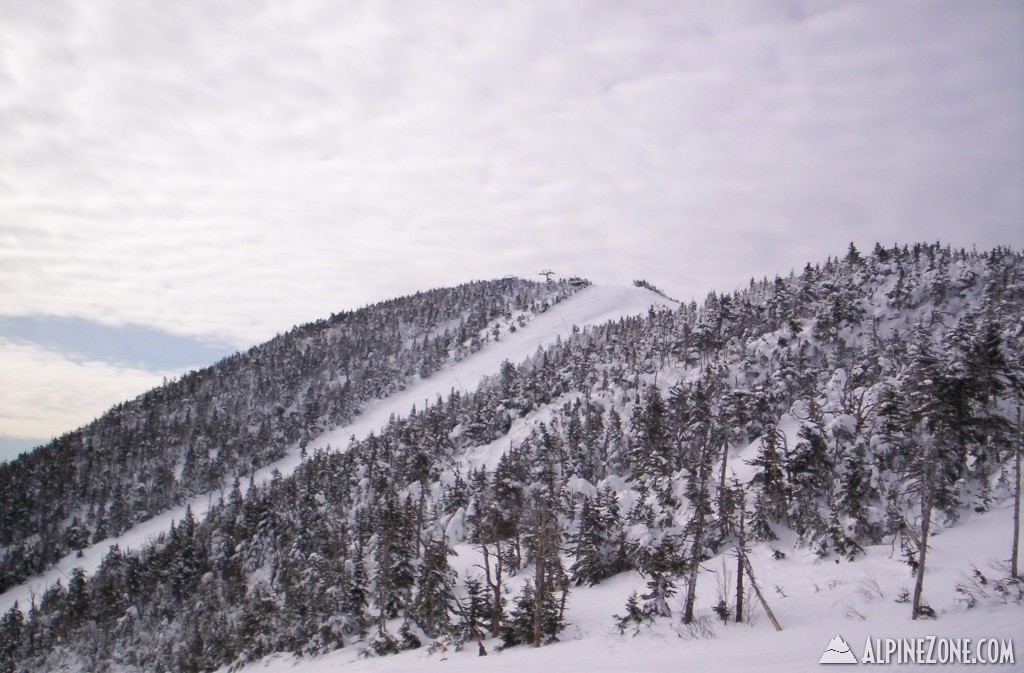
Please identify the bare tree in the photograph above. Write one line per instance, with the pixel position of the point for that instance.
(493, 582)
(741, 547)
(1015, 552)
(926, 491)
(547, 569)
(701, 502)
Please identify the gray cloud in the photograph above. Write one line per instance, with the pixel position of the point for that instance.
(228, 170)
(45, 395)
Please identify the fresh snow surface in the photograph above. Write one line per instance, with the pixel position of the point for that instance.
(594, 305)
(814, 601)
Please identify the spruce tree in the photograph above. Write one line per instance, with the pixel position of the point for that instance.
(661, 586)
(517, 628)
(808, 468)
(550, 581)
(593, 562)
(474, 611)
(634, 616)
(434, 591)
(769, 485)
(856, 493)
(703, 438)
(934, 460)
(650, 448)
(12, 628)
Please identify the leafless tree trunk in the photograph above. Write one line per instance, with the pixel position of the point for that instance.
(741, 550)
(540, 578)
(539, 595)
(494, 585)
(757, 592)
(1015, 554)
(927, 486)
(697, 549)
(721, 481)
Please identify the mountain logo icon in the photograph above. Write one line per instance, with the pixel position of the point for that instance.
(838, 652)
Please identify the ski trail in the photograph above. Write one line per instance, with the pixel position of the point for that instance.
(593, 305)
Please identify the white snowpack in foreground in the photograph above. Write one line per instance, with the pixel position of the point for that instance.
(594, 305)
(813, 600)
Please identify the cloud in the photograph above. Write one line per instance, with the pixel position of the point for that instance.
(229, 170)
(45, 394)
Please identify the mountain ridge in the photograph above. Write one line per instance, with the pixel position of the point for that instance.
(195, 433)
(543, 329)
(629, 447)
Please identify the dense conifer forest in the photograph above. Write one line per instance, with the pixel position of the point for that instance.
(196, 434)
(876, 396)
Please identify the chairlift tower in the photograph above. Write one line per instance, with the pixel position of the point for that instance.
(547, 274)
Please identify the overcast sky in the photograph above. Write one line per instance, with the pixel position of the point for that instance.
(179, 179)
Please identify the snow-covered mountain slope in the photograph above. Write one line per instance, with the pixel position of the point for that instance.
(593, 305)
(828, 427)
(196, 433)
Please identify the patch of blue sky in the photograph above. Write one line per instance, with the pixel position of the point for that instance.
(124, 345)
(11, 447)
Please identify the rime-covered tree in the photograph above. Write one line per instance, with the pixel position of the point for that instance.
(661, 586)
(12, 631)
(808, 469)
(650, 448)
(702, 440)
(435, 596)
(474, 611)
(856, 493)
(769, 485)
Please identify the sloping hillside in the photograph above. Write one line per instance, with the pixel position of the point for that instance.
(848, 431)
(196, 434)
(518, 338)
